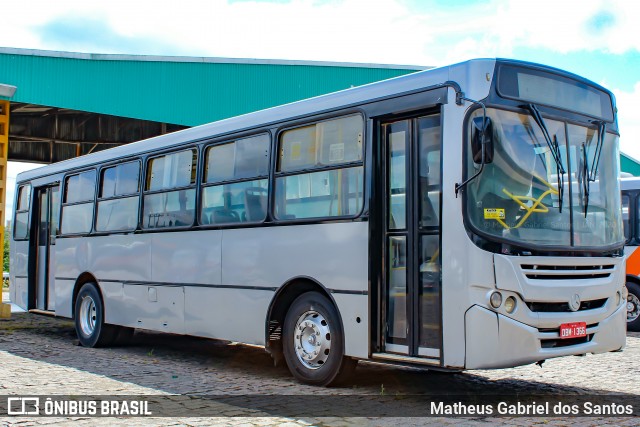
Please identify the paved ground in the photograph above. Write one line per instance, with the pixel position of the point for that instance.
(40, 356)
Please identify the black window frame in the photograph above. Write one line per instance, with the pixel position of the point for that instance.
(194, 185)
(99, 199)
(202, 184)
(277, 147)
(22, 211)
(63, 203)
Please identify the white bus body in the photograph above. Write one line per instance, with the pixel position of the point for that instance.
(380, 275)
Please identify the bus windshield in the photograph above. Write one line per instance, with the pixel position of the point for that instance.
(517, 196)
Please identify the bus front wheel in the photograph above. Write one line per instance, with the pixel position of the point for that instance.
(89, 319)
(633, 307)
(313, 342)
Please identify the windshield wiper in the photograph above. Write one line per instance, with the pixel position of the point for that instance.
(590, 173)
(554, 147)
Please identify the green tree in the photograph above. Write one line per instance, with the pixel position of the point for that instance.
(5, 261)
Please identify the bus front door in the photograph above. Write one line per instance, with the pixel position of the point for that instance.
(411, 295)
(48, 199)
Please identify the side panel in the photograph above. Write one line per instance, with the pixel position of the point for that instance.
(117, 257)
(158, 308)
(191, 257)
(230, 314)
(63, 296)
(335, 255)
(110, 259)
(18, 277)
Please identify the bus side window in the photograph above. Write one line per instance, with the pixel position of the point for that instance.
(170, 194)
(77, 204)
(21, 223)
(236, 181)
(118, 198)
(335, 188)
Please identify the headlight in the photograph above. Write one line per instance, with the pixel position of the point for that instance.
(510, 305)
(495, 299)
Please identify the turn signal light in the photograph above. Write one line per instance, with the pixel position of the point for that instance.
(495, 299)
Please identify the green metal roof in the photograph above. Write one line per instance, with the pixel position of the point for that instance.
(629, 164)
(180, 90)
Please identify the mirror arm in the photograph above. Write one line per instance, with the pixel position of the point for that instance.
(461, 185)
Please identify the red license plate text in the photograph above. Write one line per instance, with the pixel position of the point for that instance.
(573, 330)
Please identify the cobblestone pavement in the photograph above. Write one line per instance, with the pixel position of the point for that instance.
(40, 356)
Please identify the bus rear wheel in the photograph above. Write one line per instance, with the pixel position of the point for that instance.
(633, 307)
(313, 342)
(89, 319)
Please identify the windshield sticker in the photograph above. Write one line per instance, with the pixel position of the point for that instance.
(494, 214)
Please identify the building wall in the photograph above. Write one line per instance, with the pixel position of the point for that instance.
(184, 91)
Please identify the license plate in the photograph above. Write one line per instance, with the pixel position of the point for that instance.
(573, 330)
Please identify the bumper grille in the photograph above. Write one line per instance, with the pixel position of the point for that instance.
(567, 272)
(553, 340)
(563, 307)
(556, 343)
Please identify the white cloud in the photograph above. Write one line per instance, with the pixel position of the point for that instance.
(629, 120)
(385, 31)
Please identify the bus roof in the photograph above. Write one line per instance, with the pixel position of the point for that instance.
(300, 109)
(630, 183)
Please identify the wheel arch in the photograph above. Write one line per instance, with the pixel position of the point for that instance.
(280, 303)
(633, 279)
(83, 279)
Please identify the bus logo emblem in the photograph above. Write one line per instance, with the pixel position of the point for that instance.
(574, 303)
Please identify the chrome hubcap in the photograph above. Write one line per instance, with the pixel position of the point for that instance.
(312, 339)
(633, 307)
(87, 315)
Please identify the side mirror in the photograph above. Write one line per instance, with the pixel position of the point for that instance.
(479, 131)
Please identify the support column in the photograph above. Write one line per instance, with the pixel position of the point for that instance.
(5, 309)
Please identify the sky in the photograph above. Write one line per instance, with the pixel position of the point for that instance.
(597, 39)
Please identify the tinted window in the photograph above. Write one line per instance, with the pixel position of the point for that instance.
(120, 180)
(172, 171)
(77, 218)
(322, 144)
(244, 158)
(334, 145)
(24, 195)
(117, 214)
(80, 187)
(21, 226)
(169, 209)
(238, 202)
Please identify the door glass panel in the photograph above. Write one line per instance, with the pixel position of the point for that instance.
(55, 210)
(397, 295)
(43, 229)
(429, 291)
(397, 215)
(429, 171)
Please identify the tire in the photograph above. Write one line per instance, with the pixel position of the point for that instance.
(633, 307)
(89, 319)
(313, 342)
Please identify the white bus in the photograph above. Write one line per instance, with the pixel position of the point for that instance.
(448, 219)
(630, 217)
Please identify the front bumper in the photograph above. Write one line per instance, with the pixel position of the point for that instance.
(497, 341)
